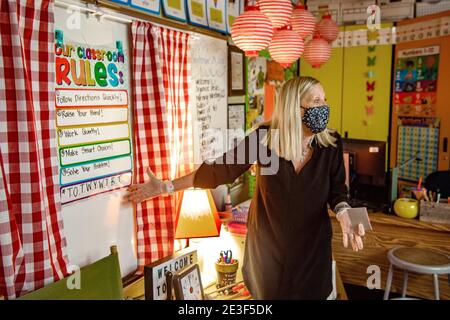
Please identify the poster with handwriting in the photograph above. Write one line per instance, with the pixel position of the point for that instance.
(216, 10)
(152, 6)
(209, 88)
(175, 9)
(197, 12)
(233, 11)
(92, 117)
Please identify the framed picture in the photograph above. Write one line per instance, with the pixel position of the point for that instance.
(236, 71)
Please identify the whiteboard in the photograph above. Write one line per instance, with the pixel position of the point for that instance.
(208, 96)
(93, 224)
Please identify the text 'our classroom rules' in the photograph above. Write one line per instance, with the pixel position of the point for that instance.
(92, 118)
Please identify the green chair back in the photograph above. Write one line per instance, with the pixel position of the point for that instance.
(100, 280)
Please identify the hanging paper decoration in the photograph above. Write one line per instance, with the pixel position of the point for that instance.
(278, 11)
(328, 28)
(286, 46)
(252, 31)
(370, 82)
(317, 51)
(303, 21)
(370, 86)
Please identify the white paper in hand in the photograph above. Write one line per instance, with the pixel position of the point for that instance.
(359, 215)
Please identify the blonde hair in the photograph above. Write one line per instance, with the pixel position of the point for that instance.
(285, 127)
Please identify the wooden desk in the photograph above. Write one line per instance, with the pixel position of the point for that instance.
(390, 231)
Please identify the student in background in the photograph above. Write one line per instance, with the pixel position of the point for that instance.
(288, 246)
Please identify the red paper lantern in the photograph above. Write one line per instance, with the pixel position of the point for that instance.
(286, 46)
(303, 21)
(328, 28)
(317, 51)
(252, 31)
(278, 11)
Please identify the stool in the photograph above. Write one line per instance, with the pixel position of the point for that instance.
(417, 260)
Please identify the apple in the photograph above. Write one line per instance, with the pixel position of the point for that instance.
(406, 208)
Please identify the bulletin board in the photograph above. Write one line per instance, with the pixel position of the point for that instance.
(209, 96)
(422, 142)
(93, 102)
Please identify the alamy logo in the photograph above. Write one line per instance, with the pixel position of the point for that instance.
(374, 18)
(374, 280)
(74, 280)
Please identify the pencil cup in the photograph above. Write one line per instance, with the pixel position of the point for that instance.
(226, 273)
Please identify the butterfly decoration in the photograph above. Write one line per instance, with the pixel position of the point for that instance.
(372, 35)
(371, 48)
(371, 61)
(370, 86)
(370, 98)
(369, 110)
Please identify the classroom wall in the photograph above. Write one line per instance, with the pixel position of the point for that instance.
(443, 89)
(330, 76)
(92, 225)
(344, 78)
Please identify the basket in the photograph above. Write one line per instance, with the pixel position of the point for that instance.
(226, 273)
(434, 212)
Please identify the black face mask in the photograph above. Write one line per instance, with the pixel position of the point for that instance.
(316, 118)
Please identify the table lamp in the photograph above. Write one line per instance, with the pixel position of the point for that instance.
(197, 215)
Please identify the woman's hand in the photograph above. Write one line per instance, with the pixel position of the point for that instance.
(349, 233)
(150, 189)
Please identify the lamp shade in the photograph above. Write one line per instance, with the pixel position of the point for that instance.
(252, 31)
(278, 11)
(317, 51)
(197, 215)
(328, 28)
(286, 46)
(303, 21)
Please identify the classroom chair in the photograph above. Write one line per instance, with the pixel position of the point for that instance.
(438, 182)
(100, 280)
(417, 260)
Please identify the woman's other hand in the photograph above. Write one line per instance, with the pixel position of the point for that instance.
(139, 192)
(349, 233)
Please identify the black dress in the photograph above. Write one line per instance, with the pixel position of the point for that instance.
(288, 245)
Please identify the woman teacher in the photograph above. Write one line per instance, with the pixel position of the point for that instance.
(300, 171)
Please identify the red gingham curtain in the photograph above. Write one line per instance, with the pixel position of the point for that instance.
(161, 129)
(32, 243)
(174, 53)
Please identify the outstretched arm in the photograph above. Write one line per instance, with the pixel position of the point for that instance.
(156, 187)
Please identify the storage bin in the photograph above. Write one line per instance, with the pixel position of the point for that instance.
(425, 8)
(395, 11)
(434, 212)
(355, 12)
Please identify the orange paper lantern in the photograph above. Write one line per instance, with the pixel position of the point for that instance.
(278, 11)
(317, 51)
(286, 46)
(252, 31)
(303, 21)
(328, 28)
